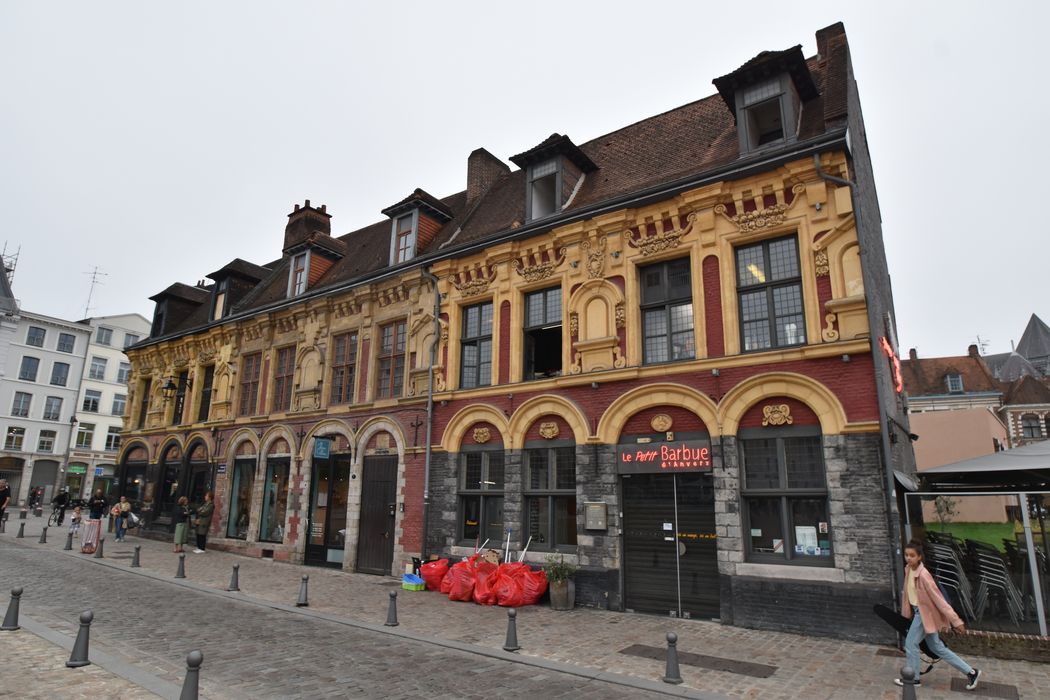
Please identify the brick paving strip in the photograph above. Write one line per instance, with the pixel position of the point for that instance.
(587, 641)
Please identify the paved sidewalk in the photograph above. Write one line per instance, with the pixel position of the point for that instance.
(809, 667)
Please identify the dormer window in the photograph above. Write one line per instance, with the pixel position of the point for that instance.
(299, 274)
(414, 221)
(221, 291)
(763, 118)
(955, 383)
(554, 172)
(159, 312)
(543, 189)
(404, 238)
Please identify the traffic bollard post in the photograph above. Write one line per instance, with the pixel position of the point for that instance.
(234, 583)
(11, 618)
(135, 557)
(79, 656)
(391, 611)
(181, 571)
(672, 674)
(191, 684)
(302, 602)
(511, 644)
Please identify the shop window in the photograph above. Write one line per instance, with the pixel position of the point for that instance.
(113, 439)
(344, 368)
(275, 500)
(550, 497)
(391, 359)
(284, 371)
(14, 439)
(769, 287)
(785, 498)
(46, 443)
(476, 346)
(249, 392)
(667, 312)
(85, 434)
(66, 342)
(241, 498)
(27, 370)
(52, 408)
(20, 406)
(543, 326)
(209, 381)
(1030, 427)
(35, 337)
(481, 496)
(147, 385)
(59, 374)
(92, 399)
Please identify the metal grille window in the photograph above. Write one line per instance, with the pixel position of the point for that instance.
(66, 342)
(92, 399)
(667, 312)
(249, 393)
(20, 406)
(104, 336)
(120, 402)
(769, 286)
(476, 346)
(98, 368)
(113, 439)
(481, 486)
(27, 370)
(59, 373)
(391, 359)
(543, 326)
(344, 368)
(550, 497)
(52, 408)
(35, 337)
(14, 439)
(785, 499)
(46, 441)
(85, 434)
(282, 378)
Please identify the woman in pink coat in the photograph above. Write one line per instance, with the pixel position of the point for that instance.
(929, 613)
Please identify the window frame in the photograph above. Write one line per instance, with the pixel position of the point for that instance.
(248, 389)
(780, 88)
(104, 336)
(219, 299)
(528, 360)
(769, 287)
(21, 404)
(122, 401)
(130, 339)
(1031, 426)
(46, 435)
(15, 437)
(123, 372)
(92, 401)
(30, 336)
(23, 368)
(54, 374)
(112, 439)
(483, 493)
(344, 368)
(299, 277)
(668, 304)
(391, 362)
(88, 430)
(283, 376)
(178, 414)
(97, 368)
(954, 383)
(56, 402)
(62, 338)
(477, 376)
(530, 185)
(404, 240)
(550, 492)
(207, 387)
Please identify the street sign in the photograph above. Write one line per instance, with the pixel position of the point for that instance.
(98, 471)
(322, 448)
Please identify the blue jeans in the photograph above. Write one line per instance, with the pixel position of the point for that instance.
(121, 529)
(933, 641)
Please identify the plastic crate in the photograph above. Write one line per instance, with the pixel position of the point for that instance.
(411, 582)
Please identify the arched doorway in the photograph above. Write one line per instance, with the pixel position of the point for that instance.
(375, 545)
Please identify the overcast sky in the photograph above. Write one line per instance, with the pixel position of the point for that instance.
(157, 141)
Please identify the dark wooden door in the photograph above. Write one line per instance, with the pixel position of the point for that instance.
(375, 543)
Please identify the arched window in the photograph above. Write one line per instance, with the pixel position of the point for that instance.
(1030, 427)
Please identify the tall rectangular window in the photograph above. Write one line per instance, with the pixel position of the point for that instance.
(405, 239)
(20, 406)
(92, 398)
(178, 416)
(344, 367)
(542, 334)
(769, 286)
(14, 439)
(66, 342)
(284, 371)
(206, 391)
(27, 370)
(98, 368)
(275, 500)
(52, 408)
(113, 439)
(147, 386)
(550, 497)
(297, 282)
(104, 336)
(476, 346)
(785, 498)
(35, 337)
(241, 498)
(667, 312)
(120, 403)
(481, 485)
(250, 384)
(391, 359)
(85, 434)
(543, 193)
(46, 442)
(219, 309)
(123, 373)
(59, 373)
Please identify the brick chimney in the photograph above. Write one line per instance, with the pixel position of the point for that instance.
(304, 222)
(912, 354)
(824, 36)
(972, 351)
(483, 170)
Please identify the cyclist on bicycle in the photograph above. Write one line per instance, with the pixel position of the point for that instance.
(59, 503)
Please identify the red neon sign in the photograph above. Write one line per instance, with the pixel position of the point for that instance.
(671, 456)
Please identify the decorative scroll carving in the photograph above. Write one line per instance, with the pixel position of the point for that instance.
(473, 282)
(482, 435)
(538, 268)
(777, 414)
(828, 332)
(650, 245)
(621, 315)
(595, 257)
(574, 325)
(661, 422)
(549, 430)
(759, 219)
(820, 262)
(392, 295)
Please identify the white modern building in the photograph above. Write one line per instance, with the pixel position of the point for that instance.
(102, 401)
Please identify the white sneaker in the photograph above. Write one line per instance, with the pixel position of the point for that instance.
(198, 551)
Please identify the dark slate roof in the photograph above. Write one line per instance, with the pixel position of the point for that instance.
(240, 268)
(420, 198)
(179, 290)
(554, 145)
(1035, 342)
(1014, 367)
(926, 376)
(1027, 390)
(767, 65)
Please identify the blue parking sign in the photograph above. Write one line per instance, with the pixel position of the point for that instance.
(322, 448)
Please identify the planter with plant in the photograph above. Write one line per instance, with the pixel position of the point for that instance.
(560, 581)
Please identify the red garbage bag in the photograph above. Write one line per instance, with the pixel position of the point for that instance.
(446, 582)
(534, 585)
(433, 572)
(462, 575)
(509, 590)
(485, 575)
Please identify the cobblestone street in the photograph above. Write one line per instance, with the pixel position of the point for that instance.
(257, 644)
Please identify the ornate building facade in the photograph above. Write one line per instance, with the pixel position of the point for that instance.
(665, 354)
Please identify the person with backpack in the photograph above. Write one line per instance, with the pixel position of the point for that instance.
(923, 604)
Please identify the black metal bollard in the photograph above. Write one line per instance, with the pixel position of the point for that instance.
(135, 557)
(233, 579)
(512, 631)
(672, 674)
(79, 657)
(98, 548)
(21, 530)
(391, 611)
(181, 571)
(11, 618)
(3, 523)
(193, 675)
(69, 542)
(43, 536)
(302, 602)
(909, 681)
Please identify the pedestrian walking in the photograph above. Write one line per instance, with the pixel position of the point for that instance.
(923, 603)
(203, 522)
(182, 520)
(122, 511)
(5, 497)
(92, 530)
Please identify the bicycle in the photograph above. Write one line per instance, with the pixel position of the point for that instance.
(52, 521)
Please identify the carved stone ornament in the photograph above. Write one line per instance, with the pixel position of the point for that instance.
(650, 245)
(539, 270)
(482, 435)
(759, 219)
(549, 430)
(779, 414)
(820, 262)
(472, 282)
(661, 423)
(574, 324)
(595, 257)
(621, 315)
(828, 332)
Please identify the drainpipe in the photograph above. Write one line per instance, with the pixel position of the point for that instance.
(893, 528)
(430, 407)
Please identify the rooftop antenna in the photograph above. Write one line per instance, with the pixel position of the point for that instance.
(10, 262)
(982, 345)
(95, 275)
